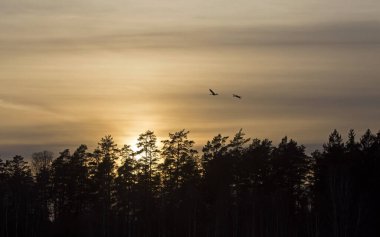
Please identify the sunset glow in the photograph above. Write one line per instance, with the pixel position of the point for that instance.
(74, 71)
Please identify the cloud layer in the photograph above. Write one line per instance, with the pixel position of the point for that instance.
(73, 71)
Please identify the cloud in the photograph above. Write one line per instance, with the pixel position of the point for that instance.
(33, 111)
(72, 81)
(22, 107)
(363, 34)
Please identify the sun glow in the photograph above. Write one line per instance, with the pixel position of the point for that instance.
(132, 143)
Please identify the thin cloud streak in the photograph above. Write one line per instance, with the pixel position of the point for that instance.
(362, 34)
(30, 108)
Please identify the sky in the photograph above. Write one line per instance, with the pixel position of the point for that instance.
(74, 71)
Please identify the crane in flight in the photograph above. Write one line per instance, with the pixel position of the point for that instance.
(236, 96)
(213, 93)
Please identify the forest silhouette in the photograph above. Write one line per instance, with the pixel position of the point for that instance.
(235, 187)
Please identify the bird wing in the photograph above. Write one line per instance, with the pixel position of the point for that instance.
(212, 92)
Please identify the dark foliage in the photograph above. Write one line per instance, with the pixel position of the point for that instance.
(239, 188)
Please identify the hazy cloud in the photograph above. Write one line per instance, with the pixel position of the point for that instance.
(361, 34)
(73, 71)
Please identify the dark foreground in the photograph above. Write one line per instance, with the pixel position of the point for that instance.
(235, 187)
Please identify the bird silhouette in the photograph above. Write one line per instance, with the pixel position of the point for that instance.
(212, 92)
(236, 96)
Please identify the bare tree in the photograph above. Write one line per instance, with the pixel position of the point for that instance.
(41, 161)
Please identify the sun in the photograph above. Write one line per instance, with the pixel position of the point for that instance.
(132, 142)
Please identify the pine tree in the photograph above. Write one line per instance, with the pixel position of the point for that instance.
(148, 161)
(41, 165)
(125, 185)
(148, 182)
(180, 175)
(289, 179)
(213, 149)
(104, 179)
(19, 220)
(60, 177)
(180, 160)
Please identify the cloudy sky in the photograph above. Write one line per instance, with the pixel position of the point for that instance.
(73, 71)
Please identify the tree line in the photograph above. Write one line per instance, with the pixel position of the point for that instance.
(235, 187)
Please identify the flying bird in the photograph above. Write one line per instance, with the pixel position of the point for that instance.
(236, 96)
(212, 92)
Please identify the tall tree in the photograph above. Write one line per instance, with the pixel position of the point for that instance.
(60, 176)
(254, 188)
(149, 153)
(148, 181)
(335, 188)
(290, 167)
(215, 148)
(104, 180)
(180, 175)
(352, 146)
(78, 193)
(41, 161)
(78, 181)
(41, 166)
(180, 160)
(126, 192)
(237, 144)
(19, 220)
(4, 197)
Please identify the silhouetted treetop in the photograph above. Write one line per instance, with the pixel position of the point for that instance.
(238, 187)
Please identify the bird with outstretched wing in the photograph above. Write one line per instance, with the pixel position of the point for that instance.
(236, 96)
(212, 92)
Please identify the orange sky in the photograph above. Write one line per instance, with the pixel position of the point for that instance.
(74, 71)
